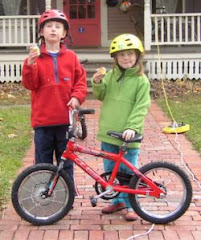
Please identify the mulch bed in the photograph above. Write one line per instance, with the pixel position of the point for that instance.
(16, 93)
(175, 88)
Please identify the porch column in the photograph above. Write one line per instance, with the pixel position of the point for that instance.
(147, 25)
(47, 4)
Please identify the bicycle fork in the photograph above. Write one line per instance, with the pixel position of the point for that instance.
(53, 182)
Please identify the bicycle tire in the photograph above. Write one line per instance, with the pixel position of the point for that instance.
(178, 193)
(27, 196)
(82, 129)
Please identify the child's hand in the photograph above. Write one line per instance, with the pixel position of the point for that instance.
(99, 74)
(128, 134)
(74, 103)
(33, 54)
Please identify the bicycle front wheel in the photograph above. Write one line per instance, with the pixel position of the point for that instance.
(29, 196)
(82, 128)
(170, 207)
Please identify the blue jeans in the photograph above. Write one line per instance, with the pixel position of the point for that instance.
(50, 141)
(131, 156)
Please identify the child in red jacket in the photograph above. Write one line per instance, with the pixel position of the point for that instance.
(57, 81)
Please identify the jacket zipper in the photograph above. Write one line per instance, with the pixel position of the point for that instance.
(56, 71)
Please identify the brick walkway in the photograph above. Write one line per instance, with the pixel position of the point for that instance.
(87, 223)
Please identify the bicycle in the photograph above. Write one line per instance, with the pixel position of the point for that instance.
(159, 192)
(80, 126)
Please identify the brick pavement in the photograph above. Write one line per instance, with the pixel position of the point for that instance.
(87, 223)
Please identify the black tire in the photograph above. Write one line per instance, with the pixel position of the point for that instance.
(168, 208)
(82, 128)
(28, 188)
(100, 189)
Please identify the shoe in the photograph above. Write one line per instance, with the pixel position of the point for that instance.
(113, 208)
(131, 216)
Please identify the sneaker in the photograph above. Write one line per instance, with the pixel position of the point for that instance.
(131, 216)
(113, 208)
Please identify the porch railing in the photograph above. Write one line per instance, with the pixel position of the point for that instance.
(18, 31)
(166, 29)
(172, 66)
(176, 29)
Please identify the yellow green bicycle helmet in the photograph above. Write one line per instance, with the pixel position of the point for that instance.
(125, 42)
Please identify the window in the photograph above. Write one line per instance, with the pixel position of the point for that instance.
(82, 9)
(163, 6)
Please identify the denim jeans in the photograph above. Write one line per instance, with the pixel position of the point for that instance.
(132, 156)
(50, 141)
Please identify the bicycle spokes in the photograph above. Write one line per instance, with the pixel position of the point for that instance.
(172, 203)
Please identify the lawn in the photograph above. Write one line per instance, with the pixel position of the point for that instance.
(186, 109)
(15, 138)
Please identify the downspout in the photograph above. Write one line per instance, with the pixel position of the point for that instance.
(147, 25)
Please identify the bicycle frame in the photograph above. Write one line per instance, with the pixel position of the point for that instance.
(151, 188)
(69, 153)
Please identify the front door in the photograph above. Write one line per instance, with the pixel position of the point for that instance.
(84, 17)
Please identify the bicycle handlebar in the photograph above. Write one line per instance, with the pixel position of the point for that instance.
(86, 111)
(80, 112)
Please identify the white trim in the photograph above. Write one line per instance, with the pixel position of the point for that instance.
(170, 66)
(18, 30)
(154, 56)
(173, 66)
(147, 25)
(183, 6)
(59, 5)
(104, 24)
(174, 29)
(28, 7)
(48, 4)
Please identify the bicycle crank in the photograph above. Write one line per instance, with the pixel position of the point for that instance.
(95, 199)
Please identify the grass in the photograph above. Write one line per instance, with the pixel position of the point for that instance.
(186, 109)
(15, 138)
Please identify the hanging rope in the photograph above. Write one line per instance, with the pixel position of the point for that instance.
(175, 124)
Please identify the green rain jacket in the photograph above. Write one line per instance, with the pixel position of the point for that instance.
(126, 99)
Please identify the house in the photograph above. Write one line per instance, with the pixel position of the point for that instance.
(170, 30)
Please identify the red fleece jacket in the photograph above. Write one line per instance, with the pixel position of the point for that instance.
(53, 81)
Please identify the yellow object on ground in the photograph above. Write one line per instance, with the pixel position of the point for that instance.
(177, 128)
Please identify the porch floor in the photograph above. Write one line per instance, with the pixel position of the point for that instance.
(103, 53)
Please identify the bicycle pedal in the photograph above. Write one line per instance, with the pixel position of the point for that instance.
(93, 201)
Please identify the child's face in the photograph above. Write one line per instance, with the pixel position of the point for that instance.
(126, 58)
(53, 31)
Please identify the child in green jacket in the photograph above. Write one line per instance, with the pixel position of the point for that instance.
(125, 93)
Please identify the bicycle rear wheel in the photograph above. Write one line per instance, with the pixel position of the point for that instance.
(30, 201)
(170, 207)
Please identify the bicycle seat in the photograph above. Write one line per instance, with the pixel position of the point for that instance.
(118, 135)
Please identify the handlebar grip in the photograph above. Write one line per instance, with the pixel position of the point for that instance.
(86, 111)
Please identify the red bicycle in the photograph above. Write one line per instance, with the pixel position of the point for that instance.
(159, 192)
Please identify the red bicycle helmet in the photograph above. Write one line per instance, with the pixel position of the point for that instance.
(53, 14)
